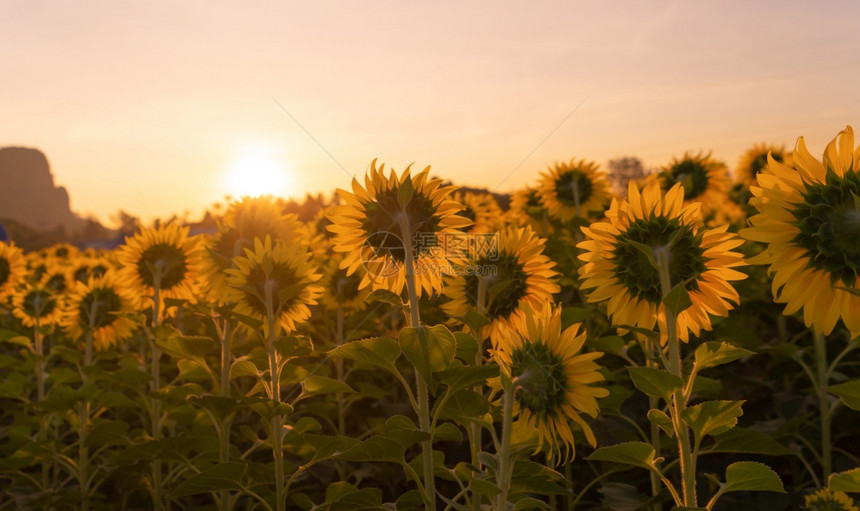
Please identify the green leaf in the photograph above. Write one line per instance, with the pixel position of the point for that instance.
(447, 432)
(429, 349)
(612, 344)
(467, 346)
(751, 476)
(187, 347)
(443, 347)
(848, 481)
(342, 496)
(389, 447)
(385, 296)
(294, 346)
(252, 322)
(315, 385)
(415, 343)
(848, 392)
(404, 195)
(15, 338)
(749, 441)
(638, 454)
(660, 418)
(220, 406)
(223, 476)
(243, 367)
(677, 300)
(655, 382)
(475, 321)
(379, 352)
(459, 378)
(712, 417)
(714, 353)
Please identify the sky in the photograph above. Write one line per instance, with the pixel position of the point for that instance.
(164, 107)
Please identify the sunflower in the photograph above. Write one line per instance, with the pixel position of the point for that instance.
(618, 271)
(34, 304)
(705, 180)
(370, 229)
(84, 267)
(827, 500)
(515, 271)
(809, 217)
(283, 273)
(97, 305)
(163, 256)
(341, 289)
(13, 269)
(754, 160)
(553, 380)
(58, 276)
(245, 220)
(62, 251)
(482, 209)
(576, 189)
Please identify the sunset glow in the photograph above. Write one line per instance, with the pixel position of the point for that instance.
(258, 171)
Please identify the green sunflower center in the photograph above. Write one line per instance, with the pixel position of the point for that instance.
(829, 223)
(505, 288)
(573, 188)
(97, 306)
(692, 175)
(381, 222)
(39, 303)
(5, 270)
(284, 284)
(344, 287)
(635, 272)
(165, 259)
(543, 383)
(56, 283)
(81, 273)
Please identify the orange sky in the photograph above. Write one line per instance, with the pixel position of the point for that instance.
(146, 106)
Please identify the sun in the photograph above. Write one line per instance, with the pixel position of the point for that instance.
(258, 170)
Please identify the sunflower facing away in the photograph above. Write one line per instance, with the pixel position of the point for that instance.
(809, 217)
(340, 289)
(249, 218)
(94, 305)
(827, 500)
(514, 261)
(482, 209)
(527, 209)
(34, 304)
(617, 271)
(13, 269)
(369, 228)
(164, 255)
(554, 380)
(282, 272)
(574, 189)
(704, 179)
(754, 160)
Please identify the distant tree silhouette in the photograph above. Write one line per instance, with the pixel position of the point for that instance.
(623, 170)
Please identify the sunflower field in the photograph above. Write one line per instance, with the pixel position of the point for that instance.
(688, 342)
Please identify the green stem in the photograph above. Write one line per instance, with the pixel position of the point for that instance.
(820, 344)
(506, 462)
(339, 396)
(475, 440)
(38, 341)
(275, 377)
(155, 386)
(685, 456)
(84, 420)
(420, 384)
(224, 426)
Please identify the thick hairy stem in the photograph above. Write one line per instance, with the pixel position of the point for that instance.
(224, 427)
(506, 462)
(155, 386)
(821, 370)
(475, 440)
(686, 460)
(275, 380)
(420, 384)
